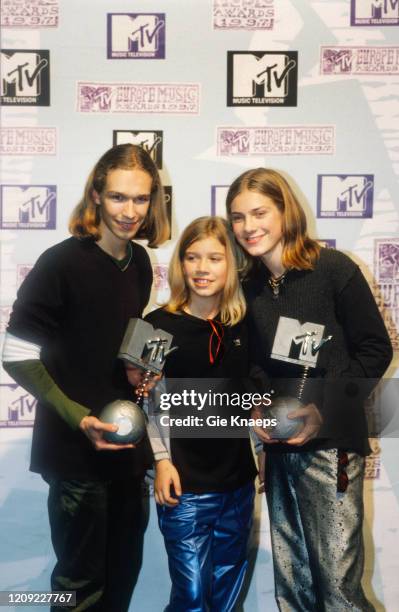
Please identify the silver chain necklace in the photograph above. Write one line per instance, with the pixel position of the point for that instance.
(275, 283)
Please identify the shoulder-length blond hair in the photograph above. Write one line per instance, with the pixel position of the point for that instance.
(299, 250)
(86, 217)
(232, 304)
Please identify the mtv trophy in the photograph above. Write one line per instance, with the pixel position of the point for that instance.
(309, 344)
(146, 348)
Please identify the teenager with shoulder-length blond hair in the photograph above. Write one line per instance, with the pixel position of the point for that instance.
(204, 486)
(86, 218)
(232, 302)
(310, 310)
(62, 345)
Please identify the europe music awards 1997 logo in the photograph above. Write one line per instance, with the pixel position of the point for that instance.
(262, 78)
(345, 195)
(370, 60)
(150, 140)
(136, 36)
(243, 14)
(25, 77)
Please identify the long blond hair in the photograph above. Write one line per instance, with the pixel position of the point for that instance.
(299, 250)
(86, 217)
(232, 306)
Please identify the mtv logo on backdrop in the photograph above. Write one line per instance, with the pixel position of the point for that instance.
(345, 195)
(336, 61)
(17, 407)
(218, 200)
(28, 206)
(25, 77)
(22, 272)
(327, 243)
(297, 342)
(5, 312)
(387, 261)
(150, 140)
(262, 78)
(96, 98)
(234, 141)
(136, 36)
(374, 12)
(160, 276)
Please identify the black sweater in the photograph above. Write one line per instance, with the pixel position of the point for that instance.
(335, 296)
(75, 304)
(206, 464)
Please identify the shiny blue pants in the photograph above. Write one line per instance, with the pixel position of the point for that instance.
(206, 539)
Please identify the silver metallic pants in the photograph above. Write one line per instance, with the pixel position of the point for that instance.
(316, 532)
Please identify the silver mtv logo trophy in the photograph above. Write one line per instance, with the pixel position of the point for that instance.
(307, 339)
(315, 345)
(145, 348)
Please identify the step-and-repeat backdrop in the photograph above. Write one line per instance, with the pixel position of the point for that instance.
(210, 88)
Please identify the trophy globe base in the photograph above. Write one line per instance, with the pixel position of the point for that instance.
(130, 421)
(285, 427)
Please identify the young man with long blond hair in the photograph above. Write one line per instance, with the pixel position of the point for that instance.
(61, 345)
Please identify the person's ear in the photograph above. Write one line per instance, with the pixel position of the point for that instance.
(96, 197)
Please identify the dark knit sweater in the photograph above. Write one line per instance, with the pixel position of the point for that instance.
(334, 295)
(75, 304)
(206, 464)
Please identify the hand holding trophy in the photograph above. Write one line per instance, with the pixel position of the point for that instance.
(146, 348)
(293, 417)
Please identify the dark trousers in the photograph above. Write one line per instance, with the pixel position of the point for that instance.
(97, 531)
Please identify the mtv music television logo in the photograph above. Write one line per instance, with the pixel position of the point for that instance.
(327, 243)
(25, 77)
(160, 272)
(17, 407)
(297, 342)
(336, 61)
(150, 140)
(28, 206)
(387, 261)
(22, 272)
(345, 195)
(374, 12)
(262, 78)
(136, 36)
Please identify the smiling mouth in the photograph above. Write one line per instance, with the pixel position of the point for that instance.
(201, 282)
(127, 226)
(254, 239)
